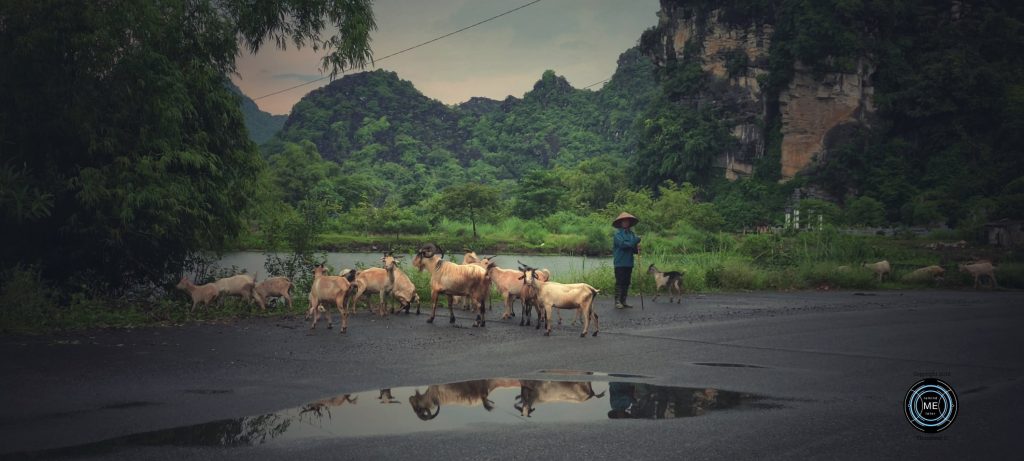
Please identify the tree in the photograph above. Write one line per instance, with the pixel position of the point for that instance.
(117, 116)
(865, 211)
(472, 201)
(537, 195)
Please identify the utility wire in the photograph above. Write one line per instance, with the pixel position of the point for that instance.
(596, 83)
(408, 49)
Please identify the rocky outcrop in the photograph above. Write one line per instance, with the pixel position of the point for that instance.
(735, 53)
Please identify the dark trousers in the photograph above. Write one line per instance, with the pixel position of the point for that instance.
(622, 279)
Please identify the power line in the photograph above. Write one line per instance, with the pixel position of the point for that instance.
(596, 83)
(407, 49)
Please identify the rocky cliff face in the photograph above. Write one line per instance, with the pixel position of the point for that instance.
(812, 110)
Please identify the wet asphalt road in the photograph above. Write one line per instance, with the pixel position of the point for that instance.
(837, 366)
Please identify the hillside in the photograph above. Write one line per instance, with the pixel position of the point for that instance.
(914, 105)
(261, 125)
(381, 128)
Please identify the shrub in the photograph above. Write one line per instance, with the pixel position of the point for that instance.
(26, 301)
(739, 275)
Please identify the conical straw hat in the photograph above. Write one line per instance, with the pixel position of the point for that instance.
(622, 216)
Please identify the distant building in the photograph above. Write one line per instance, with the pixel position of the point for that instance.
(1005, 233)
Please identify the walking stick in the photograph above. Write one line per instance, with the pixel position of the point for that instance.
(640, 286)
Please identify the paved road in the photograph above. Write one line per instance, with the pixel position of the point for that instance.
(831, 370)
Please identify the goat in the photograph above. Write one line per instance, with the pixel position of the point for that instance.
(404, 291)
(881, 269)
(468, 258)
(320, 406)
(532, 392)
(452, 279)
(467, 393)
(979, 270)
(240, 285)
(329, 288)
(506, 281)
(553, 295)
(347, 274)
(925, 274)
(376, 280)
(673, 281)
(274, 287)
(199, 293)
(529, 296)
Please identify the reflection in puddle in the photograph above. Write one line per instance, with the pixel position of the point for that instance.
(441, 407)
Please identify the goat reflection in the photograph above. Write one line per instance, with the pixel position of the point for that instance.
(322, 407)
(467, 393)
(532, 393)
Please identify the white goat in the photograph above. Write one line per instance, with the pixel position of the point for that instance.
(328, 288)
(240, 285)
(274, 287)
(881, 269)
(925, 274)
(553, 295)
(979, 270)
(673, 281)
(199, 293)
(452, 279)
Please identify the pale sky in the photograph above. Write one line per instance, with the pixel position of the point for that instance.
(578, 39)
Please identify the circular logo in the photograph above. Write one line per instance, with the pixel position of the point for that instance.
(930, 405)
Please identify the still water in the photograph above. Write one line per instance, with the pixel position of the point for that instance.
(252, 261)
(445, 407)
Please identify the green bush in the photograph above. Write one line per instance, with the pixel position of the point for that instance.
(26, 301)
(1009, 275)
(740, 275)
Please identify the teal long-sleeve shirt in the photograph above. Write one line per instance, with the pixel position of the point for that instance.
(624, 247)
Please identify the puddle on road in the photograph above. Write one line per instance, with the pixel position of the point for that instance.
(442, 407)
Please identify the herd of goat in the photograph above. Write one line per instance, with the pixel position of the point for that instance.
(469, 285)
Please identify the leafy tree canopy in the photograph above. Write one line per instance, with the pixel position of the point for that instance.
(123, 148)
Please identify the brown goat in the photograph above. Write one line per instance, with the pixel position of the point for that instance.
(274, 287)
(199, 293)
(328, 288)
(376, 280)
(450, 279)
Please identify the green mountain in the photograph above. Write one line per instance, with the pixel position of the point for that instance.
(381, 128)
(261, 125)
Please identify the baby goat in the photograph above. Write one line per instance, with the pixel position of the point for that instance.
(672, 280)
